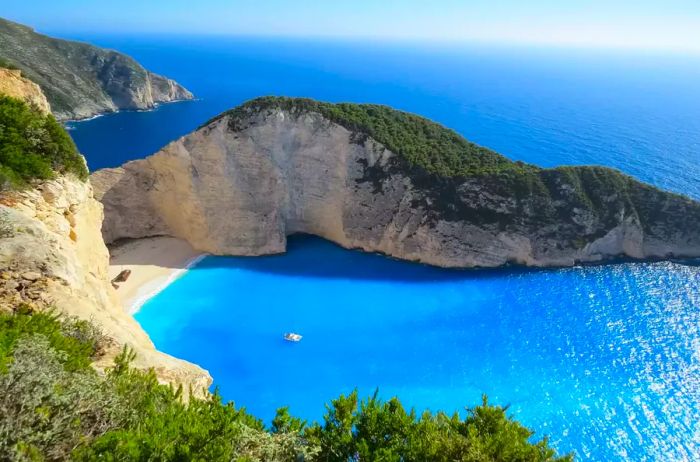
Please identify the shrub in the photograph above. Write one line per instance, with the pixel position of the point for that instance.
(4, 63)
(422, 142)
(77, 351)
(53, 406)
(7, 229)
(384, 430)
(34, 146)
(46, 411)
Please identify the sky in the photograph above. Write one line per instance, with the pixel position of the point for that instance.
(636, 24)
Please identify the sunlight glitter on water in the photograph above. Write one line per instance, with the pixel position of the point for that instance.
(604, 359)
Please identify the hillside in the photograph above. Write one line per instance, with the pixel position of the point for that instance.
(377, 179)
(81, 80)
(80, 380)
(33, 146)
(13, 84)
(52, 255)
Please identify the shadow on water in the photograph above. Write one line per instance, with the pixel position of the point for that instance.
(311, 256)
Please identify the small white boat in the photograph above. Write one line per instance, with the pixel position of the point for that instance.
(292, 337)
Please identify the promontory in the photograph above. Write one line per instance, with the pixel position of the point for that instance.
(373, 178)
(82, 80)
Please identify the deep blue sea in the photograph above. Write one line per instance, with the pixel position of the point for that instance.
(604, 359)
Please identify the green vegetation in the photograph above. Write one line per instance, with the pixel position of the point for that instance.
(4, 63)
(465, 182)
(431, 148)
(422, 142)
(34, 146)
(79, 79)
(54, 406)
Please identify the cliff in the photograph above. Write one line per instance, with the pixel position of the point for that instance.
(14, 85)
(372, 178)
(52, 256)
(81, 80)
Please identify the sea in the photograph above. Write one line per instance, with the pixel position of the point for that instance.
(604, 360)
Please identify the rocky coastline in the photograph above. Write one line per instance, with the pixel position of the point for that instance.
(80, 80)
(245, 181)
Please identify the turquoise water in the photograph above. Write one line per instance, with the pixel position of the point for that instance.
(604, 359)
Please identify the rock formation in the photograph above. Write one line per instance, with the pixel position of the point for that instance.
(52, 256)
(13, 84)
(246, 180)
(81, 80)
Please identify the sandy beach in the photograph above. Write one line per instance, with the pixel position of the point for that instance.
(154, 263)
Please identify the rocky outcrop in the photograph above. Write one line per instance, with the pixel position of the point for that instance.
(52, 256)
(245, 181)
(13, 84)
(81, 80)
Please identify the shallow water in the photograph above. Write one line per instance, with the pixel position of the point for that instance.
(604, 359)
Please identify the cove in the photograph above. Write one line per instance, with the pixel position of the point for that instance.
(605, 359)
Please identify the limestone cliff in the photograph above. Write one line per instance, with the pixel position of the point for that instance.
(13, 84)
(81, 80)
(273, 167)
(52, 256)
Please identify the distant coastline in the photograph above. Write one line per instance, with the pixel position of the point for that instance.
(119, 111)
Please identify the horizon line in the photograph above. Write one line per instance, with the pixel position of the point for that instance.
(66, 34)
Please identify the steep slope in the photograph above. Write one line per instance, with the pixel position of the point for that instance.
(82, 80)
(14, 85)
(52, 255)
(377, 179)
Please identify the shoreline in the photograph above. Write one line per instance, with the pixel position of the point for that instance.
(154, 262)
(155, 107)
(136, 305)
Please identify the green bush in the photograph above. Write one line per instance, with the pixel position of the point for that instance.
(420, 141)
(46, 411)
(34, 146)
(77, 340)
(54, 406)
(384, 431)
(439, 159)
(4, 63)
(51, 400)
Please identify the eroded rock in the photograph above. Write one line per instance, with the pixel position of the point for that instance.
(56, 258)
(241, 184)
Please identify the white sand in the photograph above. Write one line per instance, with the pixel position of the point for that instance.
(154, 262)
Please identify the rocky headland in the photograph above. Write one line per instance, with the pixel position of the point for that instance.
(13, 84)
(52, 254)
(82, 80)
(372, 178)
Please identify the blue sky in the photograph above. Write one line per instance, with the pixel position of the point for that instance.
(640, 24)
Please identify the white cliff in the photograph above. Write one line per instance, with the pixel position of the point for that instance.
(52, 256)
(241, 185)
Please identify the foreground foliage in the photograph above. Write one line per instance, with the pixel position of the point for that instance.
(54, 406)
(34, 146)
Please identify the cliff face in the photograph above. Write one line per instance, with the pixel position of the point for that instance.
(52, 256)
(82, 80)
(13, 84)
(245, 181)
